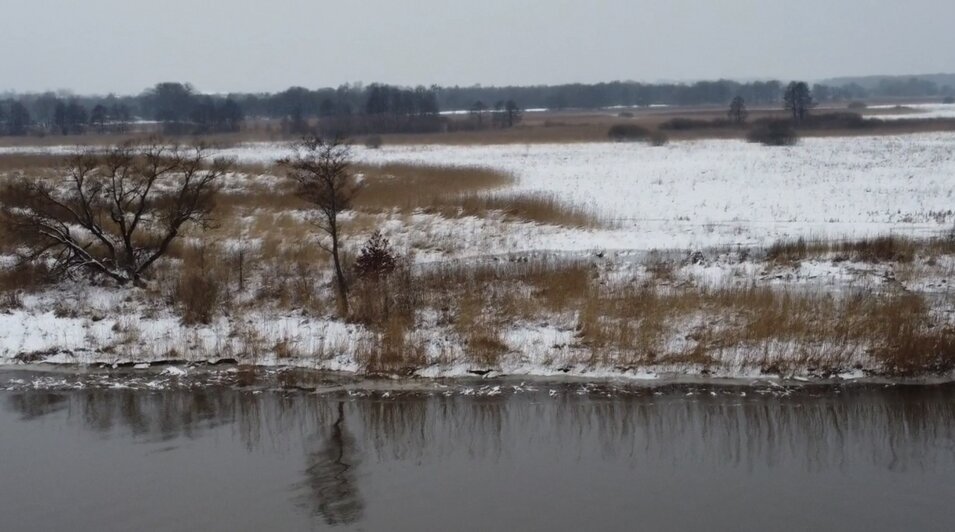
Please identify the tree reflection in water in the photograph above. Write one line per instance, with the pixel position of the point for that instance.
(330, 475)
(344, 437)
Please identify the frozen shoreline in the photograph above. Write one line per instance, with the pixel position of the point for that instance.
(173, 376)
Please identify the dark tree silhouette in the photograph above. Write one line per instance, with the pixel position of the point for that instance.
(798, 100)
(512, 113)
(18, 119)
(98, 117)
(171, 102)
(376, 259)
(737, 112)
(477, 111)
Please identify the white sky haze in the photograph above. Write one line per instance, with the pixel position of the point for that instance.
(124, 46)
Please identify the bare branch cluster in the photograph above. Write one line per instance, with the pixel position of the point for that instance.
(117, 210)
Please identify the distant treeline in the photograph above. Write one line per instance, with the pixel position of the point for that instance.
(177, 108)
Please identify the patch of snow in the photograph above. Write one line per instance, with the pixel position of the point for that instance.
(173, 371)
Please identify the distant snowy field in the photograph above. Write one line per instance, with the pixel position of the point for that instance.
(696, 194)
(922, 110)
(715, 192)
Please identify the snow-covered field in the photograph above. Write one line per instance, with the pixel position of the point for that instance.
(921, 110)
(693, 195)
(696, 194)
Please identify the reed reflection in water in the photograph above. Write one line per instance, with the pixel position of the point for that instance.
(343, 443)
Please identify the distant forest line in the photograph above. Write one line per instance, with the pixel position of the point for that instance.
(380, 108)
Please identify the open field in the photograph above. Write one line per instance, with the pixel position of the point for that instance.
(708, 257)
(691, 195)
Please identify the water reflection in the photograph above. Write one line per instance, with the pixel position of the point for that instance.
(895, 427)
(342, 438)
(330, 473)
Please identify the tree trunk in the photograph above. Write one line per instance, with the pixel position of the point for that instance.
(340, 276)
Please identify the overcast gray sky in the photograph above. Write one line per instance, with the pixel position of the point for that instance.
(123, 46)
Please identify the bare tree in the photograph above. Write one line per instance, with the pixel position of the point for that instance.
(322, 171)
(513, 113)
(117, 210)
(477, 111)
(737, 112)
(798, 100)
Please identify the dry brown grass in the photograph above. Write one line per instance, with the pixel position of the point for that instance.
(408, 187)
(891, 248)
(463, 191)
(639, 323)
(450, 191)
(538, 207)
(20, 162)
(19, 279)
(201, 284)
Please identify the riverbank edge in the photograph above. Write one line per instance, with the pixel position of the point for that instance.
(344, 380)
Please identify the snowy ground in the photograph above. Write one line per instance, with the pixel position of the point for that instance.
(683, 196)
(696, 194)
(922, 110)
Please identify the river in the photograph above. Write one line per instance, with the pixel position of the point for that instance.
(228, 455)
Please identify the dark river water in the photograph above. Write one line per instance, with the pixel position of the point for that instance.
(512, 457)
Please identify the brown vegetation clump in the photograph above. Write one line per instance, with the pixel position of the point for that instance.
(21, 162)
(659, 138)
(889, 248)
(463, 191)
(633, 324)
(687, 124)
(19, 279)
(200, 287)
(538, 207)
(409, 187)
(774, 133)
(628, 133)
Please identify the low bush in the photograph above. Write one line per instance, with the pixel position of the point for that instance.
(774, 133)
(836, 121)
(376, 259)
(856, 105)
(788, 250)
(373, 142)
(628, 133)
(880, 249)
(26, 277)
(659, 138)
(688, 124)
(198, 293)
(201, 286)
(888, 248)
